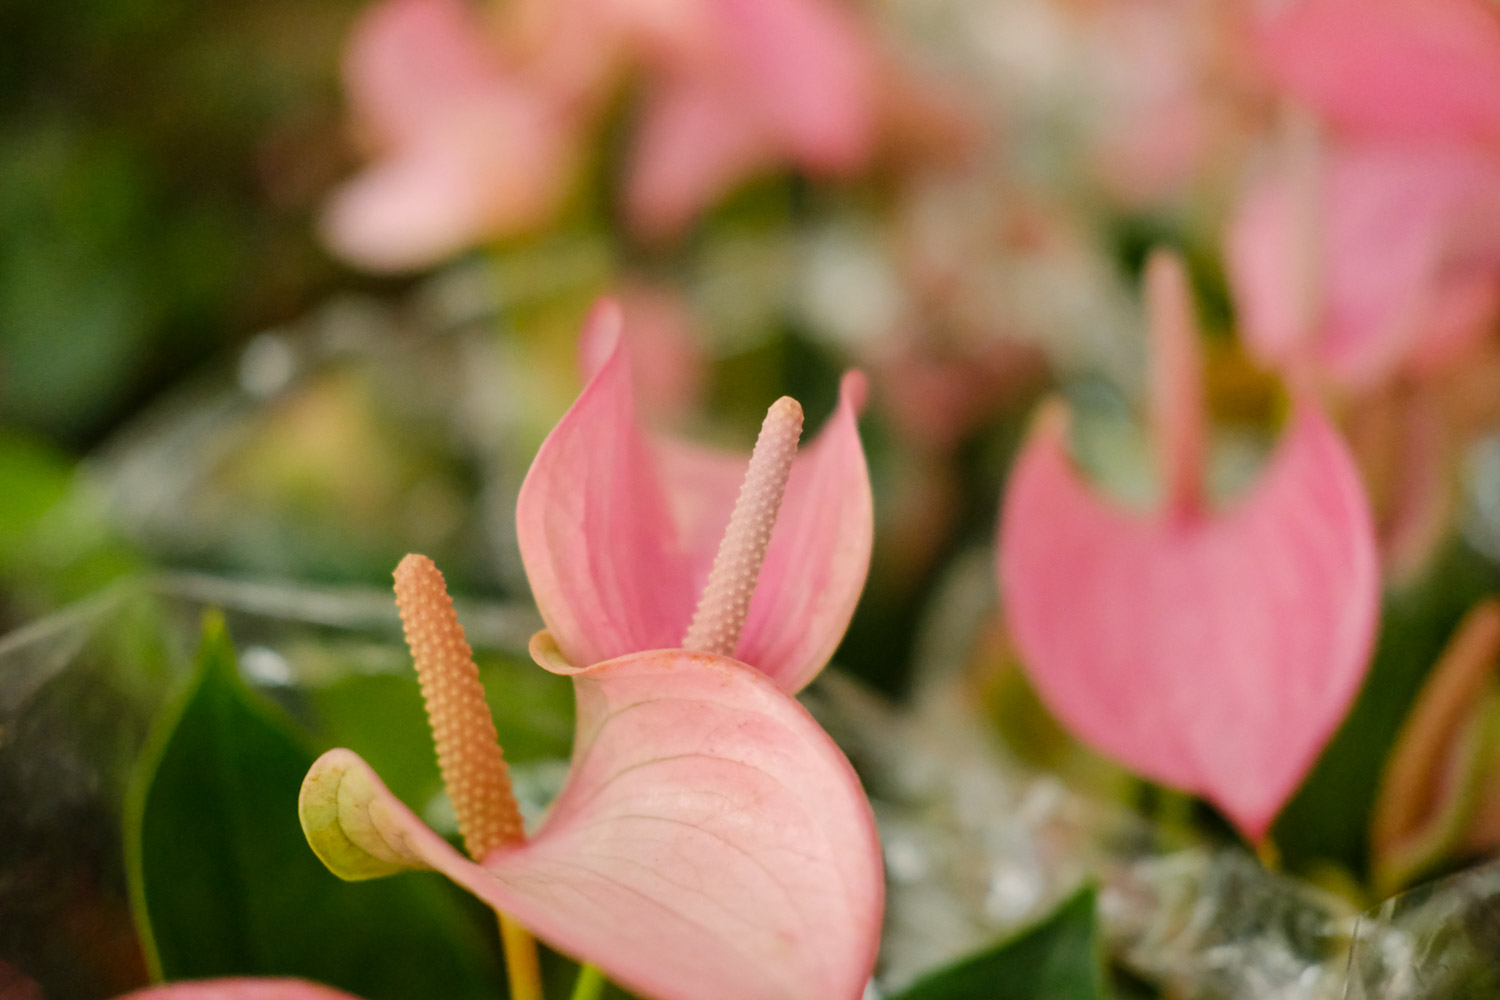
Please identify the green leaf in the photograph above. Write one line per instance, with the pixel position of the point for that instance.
(1057, 959)
(223, 882)
(1329, 819)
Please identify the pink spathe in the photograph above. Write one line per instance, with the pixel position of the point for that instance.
(710, 840)
(1372, 249)
(761, 83)
(1215, 651)
(618, 531)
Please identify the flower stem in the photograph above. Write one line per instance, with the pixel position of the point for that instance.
(590, 984)
(521, 967)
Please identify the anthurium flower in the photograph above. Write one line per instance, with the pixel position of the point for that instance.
(1376, 251)
(619, 529)
(1408, 70)
(1212, 650)
(467, 146)
(710, 839)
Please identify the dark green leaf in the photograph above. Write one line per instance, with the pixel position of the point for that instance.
(224, 883)
(1329, 819)
(380, 716)
(1057, 959)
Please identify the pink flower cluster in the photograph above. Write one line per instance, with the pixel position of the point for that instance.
(479, 126)
(1371, 245)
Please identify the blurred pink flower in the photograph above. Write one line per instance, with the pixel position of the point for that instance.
(710, 840)
(757, 84)
(1154, 107)
(1214, 651)
(240, 989)
(478, 129)
(1382, 250)
(467, 147)
(1405, 70)
(618, 531)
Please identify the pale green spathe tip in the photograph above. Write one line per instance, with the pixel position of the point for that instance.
(347, 823)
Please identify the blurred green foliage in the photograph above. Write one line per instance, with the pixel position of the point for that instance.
(225, 884)
(159, 163)
(1060, 958)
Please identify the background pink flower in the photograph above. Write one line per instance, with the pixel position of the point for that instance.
(1376, 248)
(1212, 650)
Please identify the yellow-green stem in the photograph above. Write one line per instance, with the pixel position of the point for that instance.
(590, 984)
(521, 966)
(1269, 855)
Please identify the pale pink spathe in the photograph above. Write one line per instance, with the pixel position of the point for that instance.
(618, 532)
(710, 841)
(1212, 650)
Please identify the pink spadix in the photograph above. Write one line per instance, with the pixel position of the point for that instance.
(1212, 650)
(725, 603)
(619, 530)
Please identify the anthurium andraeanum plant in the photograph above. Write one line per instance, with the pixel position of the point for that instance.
(221, 879)
(1059, 958)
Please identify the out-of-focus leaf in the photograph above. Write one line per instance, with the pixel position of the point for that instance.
(1329, 818)
(223, 882)
(55, 544)
(1057, 959)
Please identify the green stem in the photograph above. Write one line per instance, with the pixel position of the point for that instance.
(590, 985)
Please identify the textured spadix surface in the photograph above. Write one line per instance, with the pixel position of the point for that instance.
(618, 532)
(1216, 653)
(710, 841)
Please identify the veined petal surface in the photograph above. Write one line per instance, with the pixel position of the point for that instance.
(618, 532)
(1216, 654)
(710, 840)
(596, 533)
